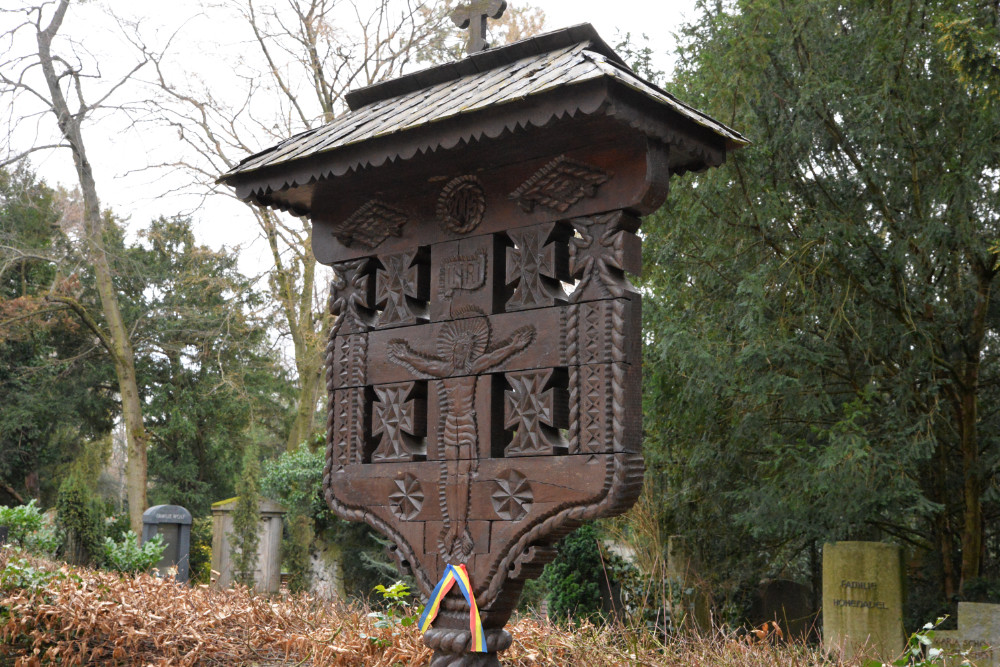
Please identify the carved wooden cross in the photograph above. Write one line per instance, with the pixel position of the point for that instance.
(473, 16)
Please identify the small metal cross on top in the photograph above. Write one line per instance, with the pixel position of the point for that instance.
(473, 16)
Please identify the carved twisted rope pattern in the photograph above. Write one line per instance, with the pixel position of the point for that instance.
(626, 471)
(573, 360)
(624, 476)
(356, 512)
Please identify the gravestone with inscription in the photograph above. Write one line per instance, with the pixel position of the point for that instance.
(863, 598)
(173, 522)
(480, 219)
(978, 634)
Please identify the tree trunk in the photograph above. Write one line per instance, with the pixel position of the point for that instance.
(942, 526)
(296, 302)
(972, 476)
(310, 383)
(972, 515)
(121, 348)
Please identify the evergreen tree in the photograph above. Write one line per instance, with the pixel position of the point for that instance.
(208, 373)
(821, 361)
(245, 537)
(46, 419)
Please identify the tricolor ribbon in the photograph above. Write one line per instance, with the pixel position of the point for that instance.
(455, 575)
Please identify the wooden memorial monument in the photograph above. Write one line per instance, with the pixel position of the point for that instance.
(484, 366)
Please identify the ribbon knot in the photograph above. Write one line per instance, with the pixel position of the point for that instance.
(455, 575)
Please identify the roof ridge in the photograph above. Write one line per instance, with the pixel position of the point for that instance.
(477, 63)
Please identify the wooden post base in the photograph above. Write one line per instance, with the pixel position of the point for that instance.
(450, 638)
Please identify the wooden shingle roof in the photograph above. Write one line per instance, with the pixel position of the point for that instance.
(532, 82)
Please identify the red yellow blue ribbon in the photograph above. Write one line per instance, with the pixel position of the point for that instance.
(455, 575)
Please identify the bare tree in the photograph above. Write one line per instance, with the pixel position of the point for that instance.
(304, 56)
(43, 80)
(301, 64)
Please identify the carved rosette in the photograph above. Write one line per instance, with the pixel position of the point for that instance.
(512, 496)
(408, 497)
(461, 205)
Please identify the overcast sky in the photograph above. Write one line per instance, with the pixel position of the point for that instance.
(117, 152)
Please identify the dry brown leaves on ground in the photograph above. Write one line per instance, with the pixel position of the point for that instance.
(84, 616)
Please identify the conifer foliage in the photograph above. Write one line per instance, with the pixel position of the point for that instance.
(245, 537)
(822, 329)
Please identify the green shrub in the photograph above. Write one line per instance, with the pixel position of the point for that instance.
(246, 520)
(21, 575)
(80, 514)
(295, 480)
(200, 557)
(29, 529)
(116, 524)
(21, 521)
(982, 589)
(128, 557)
(579, 584)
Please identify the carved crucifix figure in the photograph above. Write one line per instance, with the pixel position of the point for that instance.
(463, 352)
(473, 16)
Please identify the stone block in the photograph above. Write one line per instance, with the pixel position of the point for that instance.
(173, 522)
(267, 576)
(863, 598)
(978, 634)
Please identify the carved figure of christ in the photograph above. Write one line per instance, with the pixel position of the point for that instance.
(463, 352)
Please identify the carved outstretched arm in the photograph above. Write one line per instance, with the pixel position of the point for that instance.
(402, 354)
(521, 339)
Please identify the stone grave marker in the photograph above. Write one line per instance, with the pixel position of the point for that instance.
(978, 633)
(173, 522)
(268, 572)
(863, 598)
(484, 368)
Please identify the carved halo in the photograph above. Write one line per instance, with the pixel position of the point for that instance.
(464, 340)
(461, 205)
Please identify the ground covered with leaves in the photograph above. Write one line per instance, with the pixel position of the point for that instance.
(57, 614)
